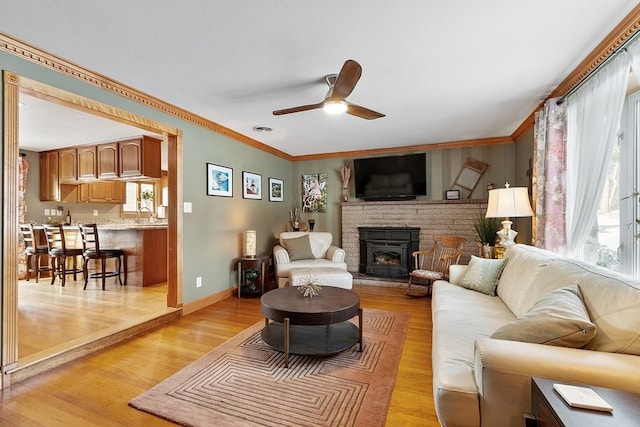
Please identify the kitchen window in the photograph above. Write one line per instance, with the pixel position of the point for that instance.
(141, 199)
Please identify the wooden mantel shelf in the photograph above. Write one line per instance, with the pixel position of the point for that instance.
(413, 202)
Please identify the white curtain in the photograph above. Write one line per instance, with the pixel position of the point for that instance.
(593, 116)
(634, 53)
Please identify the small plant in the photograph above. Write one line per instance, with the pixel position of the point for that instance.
(146, 195)
(486, 229)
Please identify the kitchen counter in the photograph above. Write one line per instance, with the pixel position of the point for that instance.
(143, 226)
(145, 246)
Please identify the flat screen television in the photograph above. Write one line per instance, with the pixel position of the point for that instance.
(391, 177)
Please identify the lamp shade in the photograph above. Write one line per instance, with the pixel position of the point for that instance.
(508, 202)
(250, 243)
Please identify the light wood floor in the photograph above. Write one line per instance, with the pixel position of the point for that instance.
(52, 318)
(95, 389)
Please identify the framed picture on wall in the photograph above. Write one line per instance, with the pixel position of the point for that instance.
(314, 197)
(452, 195)
(219, 180)
(276, 190)
(251, 185)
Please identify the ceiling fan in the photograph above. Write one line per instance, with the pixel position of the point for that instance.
(340, 86)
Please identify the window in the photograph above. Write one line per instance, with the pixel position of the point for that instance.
(140, 197)
(615, 240)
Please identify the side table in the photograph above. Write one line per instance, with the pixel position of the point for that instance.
(550, 409)
(252, 272)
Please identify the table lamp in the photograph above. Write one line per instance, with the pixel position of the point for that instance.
(508, 202)
(250, 243)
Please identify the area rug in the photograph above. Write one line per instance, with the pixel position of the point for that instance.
(243, 382)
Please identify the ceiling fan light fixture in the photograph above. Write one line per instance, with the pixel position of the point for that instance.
(335, 107)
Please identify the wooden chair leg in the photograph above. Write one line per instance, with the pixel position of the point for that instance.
(85, 272)
(36, 267)
(75, 267)
(63, 270)
(104, 268)
(119, 270)
(124, 267)
(54, 269)
(29, 267)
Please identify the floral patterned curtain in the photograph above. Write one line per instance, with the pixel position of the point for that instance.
(23, 171)
(549, 172)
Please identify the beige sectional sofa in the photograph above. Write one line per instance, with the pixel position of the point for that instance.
(483, 381)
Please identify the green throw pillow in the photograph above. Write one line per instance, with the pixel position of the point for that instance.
(482, 274)
(299, 248)
(559, 318)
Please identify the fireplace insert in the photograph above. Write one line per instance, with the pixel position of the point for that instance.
(386, 251)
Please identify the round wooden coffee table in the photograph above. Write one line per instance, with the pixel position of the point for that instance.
(311, 325)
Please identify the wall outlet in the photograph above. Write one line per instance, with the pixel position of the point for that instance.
(188, 208)
(95, 212)
(198, 282)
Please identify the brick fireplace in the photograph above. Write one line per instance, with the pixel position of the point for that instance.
(431, 217)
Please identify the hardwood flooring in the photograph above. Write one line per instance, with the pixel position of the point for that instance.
(95, 389)
(52, 318)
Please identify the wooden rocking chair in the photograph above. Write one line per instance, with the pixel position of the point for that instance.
(433, 264)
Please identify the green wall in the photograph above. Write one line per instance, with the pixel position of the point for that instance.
(212, 233)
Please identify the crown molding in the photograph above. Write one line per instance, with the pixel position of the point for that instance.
(409, 148)
(616, 38)
(607, 47)
(626, 29)
(48, 60)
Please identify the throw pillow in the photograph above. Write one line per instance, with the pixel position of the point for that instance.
(559, 318)
(299, 248)
(482, 274)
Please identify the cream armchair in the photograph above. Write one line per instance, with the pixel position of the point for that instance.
(299, 249)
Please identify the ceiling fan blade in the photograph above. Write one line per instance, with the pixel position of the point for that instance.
(346, 81)
(298, 109)
(362, 112)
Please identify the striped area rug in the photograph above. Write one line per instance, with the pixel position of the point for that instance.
(243, 382)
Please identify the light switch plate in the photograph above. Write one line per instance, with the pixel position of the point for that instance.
(47, 212)
(95, 212)
(187, 207)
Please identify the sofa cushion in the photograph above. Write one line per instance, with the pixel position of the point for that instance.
(515, 288)
(482, 274)
(559, 318)
(299, 248)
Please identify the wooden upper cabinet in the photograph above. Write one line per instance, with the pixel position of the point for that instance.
(106, 192)
(108, 160)
(49, 181)
(140, 157)
(67, 163)
(87, 163)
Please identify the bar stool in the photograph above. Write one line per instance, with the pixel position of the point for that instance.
(33, 251)
(58, 252)
(91, 250)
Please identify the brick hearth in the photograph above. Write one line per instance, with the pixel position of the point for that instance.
(432, 216)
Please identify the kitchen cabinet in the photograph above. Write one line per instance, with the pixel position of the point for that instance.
(140, 157)
(49, 181)
(108, 160)
(87, 163)
(105, 192)
(67, 164)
